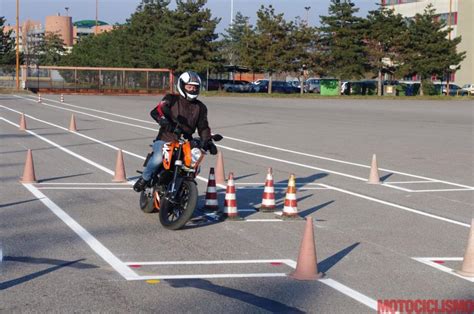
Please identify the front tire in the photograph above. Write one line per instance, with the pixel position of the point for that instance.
(174, 216)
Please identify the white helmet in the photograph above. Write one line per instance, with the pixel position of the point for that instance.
(191, 78)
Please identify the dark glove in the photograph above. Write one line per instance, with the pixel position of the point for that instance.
(163, 122)
(209, 146)
(212, 148)
(178, 131)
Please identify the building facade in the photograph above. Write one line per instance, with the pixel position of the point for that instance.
(459, 14)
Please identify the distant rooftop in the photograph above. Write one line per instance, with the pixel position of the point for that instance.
(88, 23)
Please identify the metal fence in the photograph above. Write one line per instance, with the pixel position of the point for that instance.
(97, 80)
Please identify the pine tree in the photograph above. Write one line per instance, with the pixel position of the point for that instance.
(192, 32)
(341, 42)
(428, 51)
(233, 39)
(272, 41)
(50, 50)
(301, 49)
(7, 46)
(385, 35)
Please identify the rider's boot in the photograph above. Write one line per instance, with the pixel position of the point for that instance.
(140, 185)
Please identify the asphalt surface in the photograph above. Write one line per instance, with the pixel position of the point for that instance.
(56, 235)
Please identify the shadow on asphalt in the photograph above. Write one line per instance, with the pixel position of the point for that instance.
(64, 177)
(332, 260)
(18, 203)
(34, 260)
(261, 302)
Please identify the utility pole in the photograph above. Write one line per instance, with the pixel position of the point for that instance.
(231, 12)
(17, 44)
(307, 14)
(96, 15)
(449, 37)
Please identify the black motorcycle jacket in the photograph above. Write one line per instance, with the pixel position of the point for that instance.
(172, 106)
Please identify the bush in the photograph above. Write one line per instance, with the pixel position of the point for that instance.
(429, 88)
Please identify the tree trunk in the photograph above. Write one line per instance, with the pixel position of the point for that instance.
(302, 85)
(379, 83)
(270, 83)
(339, 82)
(421, 88)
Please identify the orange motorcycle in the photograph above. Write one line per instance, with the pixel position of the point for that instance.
(173, 189)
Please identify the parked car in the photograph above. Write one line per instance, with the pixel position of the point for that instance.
(237, 86)
(441, 88)
(468, 89)
(277, 87)
(312, 85)
(295, 83)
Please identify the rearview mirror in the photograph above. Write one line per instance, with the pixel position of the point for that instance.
(217, 137)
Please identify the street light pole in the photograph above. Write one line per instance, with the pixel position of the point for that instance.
(17, 45)
(96, 15)
(307, 13)
(231, 12)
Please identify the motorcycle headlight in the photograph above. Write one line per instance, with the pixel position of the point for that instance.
(196, 157)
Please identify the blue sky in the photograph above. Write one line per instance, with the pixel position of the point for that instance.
(117, 11)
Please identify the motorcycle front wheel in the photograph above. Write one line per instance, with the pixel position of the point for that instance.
(174, 215)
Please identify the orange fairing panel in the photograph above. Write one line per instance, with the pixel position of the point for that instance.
(168, 149)
(187, 154)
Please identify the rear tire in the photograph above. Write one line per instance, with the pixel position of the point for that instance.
(147, 201)
(175, 216)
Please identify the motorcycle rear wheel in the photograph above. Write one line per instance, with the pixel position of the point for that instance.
(147, 201)
(174, 216)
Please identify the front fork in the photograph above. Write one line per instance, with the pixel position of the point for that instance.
(177, 180)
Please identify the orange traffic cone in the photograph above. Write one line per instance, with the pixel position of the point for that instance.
(268, 198)
(211, 193)
(307, 264)
(374, 172)
(220, 174)
(39, 97)
(230, 204)
(22, 122)
(290, 209)
(29, 170)
(72, 124)
(119, 169)
(62, 98)
(467, 268)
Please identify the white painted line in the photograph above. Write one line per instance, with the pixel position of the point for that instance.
(91, 115)
(353, 294)
(82, 188)
(92, 139)
(90, 162)
(410, 182)
(266, 146)
(93, 243)
(76, 133)
(415, 211)
(395, 187)
(361, 298)
(79, 183)
(210, 276)
(268, 220)
(451, 259)
(442, 268)
(291, 162)
(95, 110)
(442, 190)
(205, 180)
(275, 184)
(257, 261)
(343, 162)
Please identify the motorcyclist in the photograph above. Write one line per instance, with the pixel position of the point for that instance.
(166, 115)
